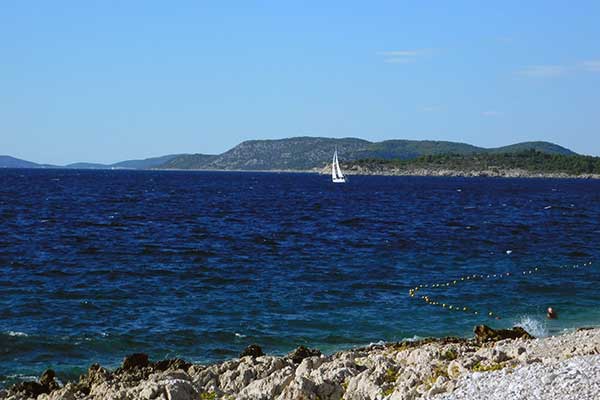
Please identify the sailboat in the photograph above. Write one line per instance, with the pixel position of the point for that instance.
(336, 172)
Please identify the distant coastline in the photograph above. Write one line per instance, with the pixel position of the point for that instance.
(359, 171)
(360, 157)
(488, 173)
(413, 172)
(299, 154)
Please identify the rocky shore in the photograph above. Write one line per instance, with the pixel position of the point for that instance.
(495, 364)
(353, 169)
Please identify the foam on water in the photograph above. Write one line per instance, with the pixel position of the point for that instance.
(535, 326)
(406, 339)
(16, 333)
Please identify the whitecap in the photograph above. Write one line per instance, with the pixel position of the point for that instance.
(239, 335)
(547, 207)
(535, 326)
(509, 252)
(16, 333)
(22, 377)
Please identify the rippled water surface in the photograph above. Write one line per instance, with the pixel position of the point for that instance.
(98, 264)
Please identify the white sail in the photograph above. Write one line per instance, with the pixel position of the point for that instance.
(337, 168)
(333, 171)
(336, 173)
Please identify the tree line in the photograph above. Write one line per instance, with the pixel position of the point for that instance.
(528, 160)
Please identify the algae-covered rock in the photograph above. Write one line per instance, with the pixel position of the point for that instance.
(484, 333)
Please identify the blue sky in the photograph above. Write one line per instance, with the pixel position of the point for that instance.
(111, 80)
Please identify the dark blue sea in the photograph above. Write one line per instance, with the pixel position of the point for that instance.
(95, 265)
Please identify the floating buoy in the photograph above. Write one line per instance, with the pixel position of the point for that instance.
(428, 300)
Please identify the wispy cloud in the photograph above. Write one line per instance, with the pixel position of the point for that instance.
(492, 113)
(591, 65)
(556, 70)
(402, 56)
(543, 71)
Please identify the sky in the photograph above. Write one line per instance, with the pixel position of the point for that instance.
(105, 81)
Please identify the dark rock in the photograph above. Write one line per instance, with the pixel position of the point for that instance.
(46, 385)
(29, 388)
(584, 328)
(301, 353)
(484, 333)
(134, 361)
(174, 364)
(253, 350)
(47, 377)
(47, 380)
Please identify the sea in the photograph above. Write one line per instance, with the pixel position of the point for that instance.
(99, 264)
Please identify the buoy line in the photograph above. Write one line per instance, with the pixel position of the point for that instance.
(468, 278)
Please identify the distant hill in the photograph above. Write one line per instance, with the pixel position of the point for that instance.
(12, 162)
(187, 161)
(542, 147)
(147, 163)
(305, 153)
(86, 165)
(302, 153)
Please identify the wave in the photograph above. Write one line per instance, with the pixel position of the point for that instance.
(16, 334)
(535, 326)
(405, 339)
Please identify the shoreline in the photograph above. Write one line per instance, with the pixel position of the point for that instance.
(443, 173)
(485, 174)
(358, 171)
(451, 367)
